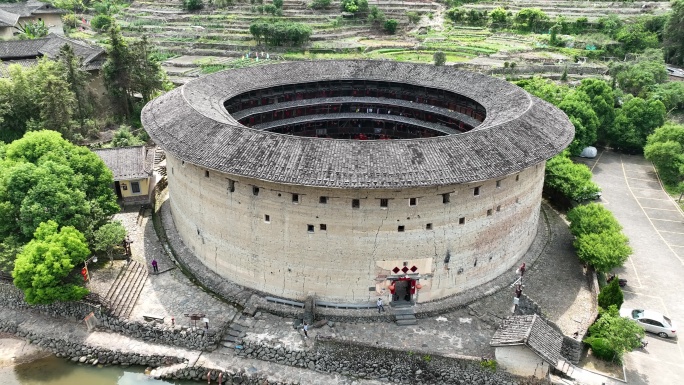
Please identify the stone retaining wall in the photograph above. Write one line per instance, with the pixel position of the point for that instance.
(394, 366)
(182, 336)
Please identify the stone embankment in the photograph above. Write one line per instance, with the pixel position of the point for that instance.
(384, 365)
(182, 336)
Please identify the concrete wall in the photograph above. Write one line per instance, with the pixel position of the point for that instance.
(349, 261)
(519, 360)
(127, 191)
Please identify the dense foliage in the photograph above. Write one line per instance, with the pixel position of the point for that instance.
(611, 335)
(192, 5)
(665, 148)
(279, 33)
(44, 177)
(611, 294)
(571, 179)
(354, 6)
(599, 239)
(41, 270)
(108, 237)
(673, 36)
(390, 26)
(439, 58)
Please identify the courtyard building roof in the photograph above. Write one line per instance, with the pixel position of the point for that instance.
(519, 130)
(127, 163)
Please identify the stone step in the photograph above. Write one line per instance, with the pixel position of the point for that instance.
(406, 322)
(135, 293)
(128, 286)
(403, 310)
(405, 317)
(121, 283)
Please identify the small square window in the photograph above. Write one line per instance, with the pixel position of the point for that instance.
(400, 229)
(384, 202)
(489, 212)
(295, 198)
(476, 191)
(517, 177)
(182, 163)
(356, 203)
(231, 185)
(323, 200)
(446, 198)
(323, 227)
(428, 226)
(310, 228)
(498, 183)
(255, 190)
(517, 200)
(171, 170)
(412, 201)
(267, 218)
(498, 208)
(461, 221)
(206, 173)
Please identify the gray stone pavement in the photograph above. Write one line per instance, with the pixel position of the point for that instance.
(70, 331)
(655, 226)
(171, 293)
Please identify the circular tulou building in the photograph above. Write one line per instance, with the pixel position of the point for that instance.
(350, 179)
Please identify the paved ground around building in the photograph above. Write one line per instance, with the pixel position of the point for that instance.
(655, 226)
(71, 331)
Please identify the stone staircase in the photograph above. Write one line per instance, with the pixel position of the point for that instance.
(126, 289)
(405, 315)
(236, 332)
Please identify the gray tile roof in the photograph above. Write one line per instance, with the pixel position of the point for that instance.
(8, 19)
(126, 163)
(532, 331)
(92, 55)
(27, 8)
(520, 130)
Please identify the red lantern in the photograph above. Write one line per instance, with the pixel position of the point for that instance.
(84, 273)
(419, 286)
(392, 287)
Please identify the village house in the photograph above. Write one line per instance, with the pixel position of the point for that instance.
(133, 169)
(527, 346)
(13, 15)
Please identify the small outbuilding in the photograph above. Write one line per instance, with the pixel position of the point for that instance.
(133, 169)
(14, 15)
(527, 346)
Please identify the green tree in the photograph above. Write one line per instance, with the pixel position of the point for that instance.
(634, 122)
(592, 218)
(544, 89)
(413, 17)
(610, 25)
(355, 6)
(108, 237)
(499, 15)
(570, 179)
(673, 36)
(390, 26)
(278, 4)
(621, 334)
(456, 14)
(146, 74)
(42, 268)
(637, 77)
(375, 15)
(124, 138)
(577, 106)
(101, 22)
(116, 73)
(665, 148)
(604, 251)
(77, 80)
(670, 93)
(602, 102)
(439, 58)
(531, 19)
(44, 177)
(319, 4)
(611, 294)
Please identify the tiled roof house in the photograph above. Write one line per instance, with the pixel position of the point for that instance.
(27, 52)
(527, 346)
(133, 171)
(15, 14)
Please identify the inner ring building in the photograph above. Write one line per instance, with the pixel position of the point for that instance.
(350, 179)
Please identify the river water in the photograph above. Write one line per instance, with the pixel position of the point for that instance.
(58, 371)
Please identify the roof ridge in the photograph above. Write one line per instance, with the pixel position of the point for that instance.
(529, 330)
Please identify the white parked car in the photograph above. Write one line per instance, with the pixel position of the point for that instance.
(651, 321)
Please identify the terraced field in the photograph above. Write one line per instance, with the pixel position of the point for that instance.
(573, 9)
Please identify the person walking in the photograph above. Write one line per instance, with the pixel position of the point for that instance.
(306, 329)
(154, 266)
(381, 308)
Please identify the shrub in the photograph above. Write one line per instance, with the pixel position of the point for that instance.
(413, 17)
(70, 20)
(391, 26)
(101, 22)
(611, 294)
(270, 8)
(376, 15)
(439, 58)
(592, 218)
(278, 3)
(568, 178)
(601, 348)
(192, 5)
(604, 251)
